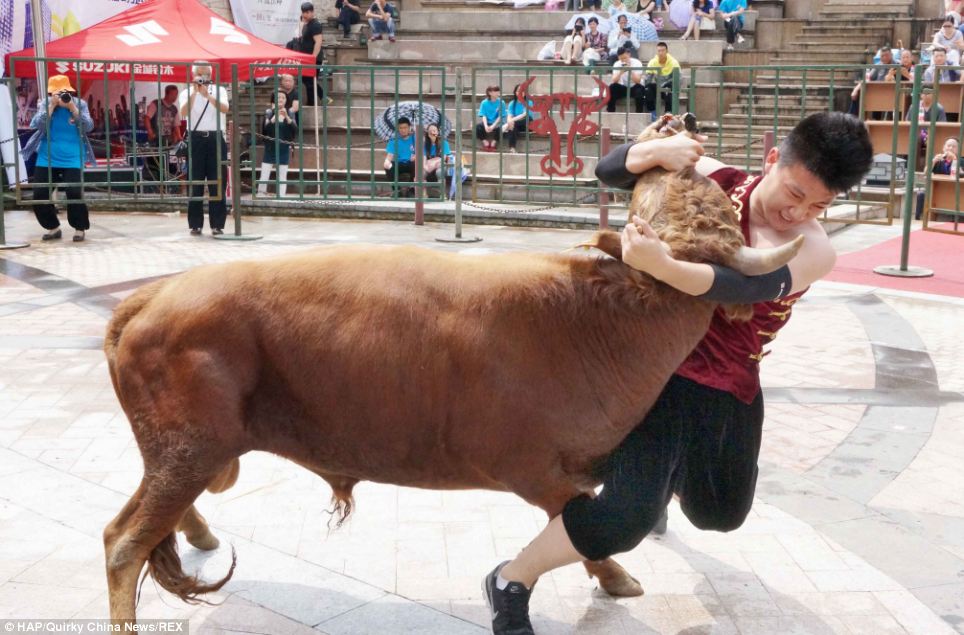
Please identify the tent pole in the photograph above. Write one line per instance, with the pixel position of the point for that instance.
(39, 45)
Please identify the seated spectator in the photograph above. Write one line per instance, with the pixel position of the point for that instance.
(926, 102)
(400, 151)
(906, 71)
(945, 162)
(646, 7)
(701, 9)
(951, 40)
(661, 76)
(596, 44)
(437, 155)
(278, 130)
(516, 119)
(626, 82)
(939, 59)
(621, 36)
(348, 14)
(574, 43)
(380, 20)
(875, 74)
(491, 117)
(732, 13)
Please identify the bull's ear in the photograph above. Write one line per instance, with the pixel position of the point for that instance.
(607, 241)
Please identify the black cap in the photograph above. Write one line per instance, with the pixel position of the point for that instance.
(307, 6)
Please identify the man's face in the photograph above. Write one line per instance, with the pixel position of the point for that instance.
(404, 129)
(307, 15)
(624, 58)
(926, 99)
(622, 22)
(906, 59)
(940, 58)
(886, 56)
(170, 95)
(287, 82)
(661, 52)
(951, 146)
(791, 194)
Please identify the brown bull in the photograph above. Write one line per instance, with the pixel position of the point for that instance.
(516, 372)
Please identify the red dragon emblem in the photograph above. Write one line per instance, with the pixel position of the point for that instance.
(552, 163)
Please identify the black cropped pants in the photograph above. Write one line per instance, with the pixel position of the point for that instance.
(699, 442)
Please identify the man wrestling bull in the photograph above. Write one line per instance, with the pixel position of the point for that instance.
(702, 438)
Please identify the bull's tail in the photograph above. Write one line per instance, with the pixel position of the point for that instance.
(164, 565)
(124, 313)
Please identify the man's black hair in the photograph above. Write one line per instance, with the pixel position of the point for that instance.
(625, 48)
(663, 44)
(834, 146)
(402, 120)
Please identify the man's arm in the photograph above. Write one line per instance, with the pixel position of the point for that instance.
(621, 167)
(151, 109)
(643, 250)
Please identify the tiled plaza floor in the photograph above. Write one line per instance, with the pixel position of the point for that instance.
(858, 526)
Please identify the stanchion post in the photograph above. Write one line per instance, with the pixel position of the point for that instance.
(8, 86)
(419, 171)
(235, 162)
(605, 140)
(902, 270)
(458, 168)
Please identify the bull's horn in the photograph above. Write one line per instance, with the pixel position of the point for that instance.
(755, 261)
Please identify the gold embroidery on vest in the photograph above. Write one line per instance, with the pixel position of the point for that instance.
(737, 196)
(783, 315)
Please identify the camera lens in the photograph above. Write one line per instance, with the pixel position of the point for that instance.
(65, 97)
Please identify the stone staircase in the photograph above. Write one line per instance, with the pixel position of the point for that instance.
(841, 34)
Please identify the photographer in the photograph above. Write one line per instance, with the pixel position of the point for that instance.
(163, 123)
(574, 43)
(621, 36)
(204, 105)
(60, 142)
(278, 130)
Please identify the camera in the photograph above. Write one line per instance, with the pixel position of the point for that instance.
(202, 81)
(64, 96)
(578, 28)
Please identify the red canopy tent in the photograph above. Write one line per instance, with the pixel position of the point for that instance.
(156, 41)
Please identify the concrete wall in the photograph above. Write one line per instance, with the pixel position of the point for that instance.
(803, 9)
(772, 35)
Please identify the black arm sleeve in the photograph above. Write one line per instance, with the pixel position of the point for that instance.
(611, 169)
(732, 287)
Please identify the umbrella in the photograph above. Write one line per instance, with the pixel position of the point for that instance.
(643, 29)
(604, 24)
(417, 113)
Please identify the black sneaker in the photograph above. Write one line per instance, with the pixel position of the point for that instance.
(509, 606)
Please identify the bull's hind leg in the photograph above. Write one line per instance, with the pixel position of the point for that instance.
(195, 528)
(143, 532)
(613, 579)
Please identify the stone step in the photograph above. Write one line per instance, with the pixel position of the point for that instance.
(487, 163)
(765, 113)
(508, 22)
(702, 53)
(834, 43)
(383, 83)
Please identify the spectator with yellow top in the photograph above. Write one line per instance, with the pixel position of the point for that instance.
(660, 73)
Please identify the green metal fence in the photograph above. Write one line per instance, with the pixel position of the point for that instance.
(338, 151)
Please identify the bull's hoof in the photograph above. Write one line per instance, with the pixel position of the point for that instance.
(205, 541)
(625, 586)
(614, 580)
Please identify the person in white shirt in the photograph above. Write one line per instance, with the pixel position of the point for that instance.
(621, 35)
(626, 82)
(204, 104)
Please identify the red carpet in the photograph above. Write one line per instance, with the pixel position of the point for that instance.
(942, 253)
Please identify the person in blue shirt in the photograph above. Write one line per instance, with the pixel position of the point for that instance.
(437, 154)
(492, 115)
(517, 119)
(400, 152)
(60, 143)
(732, 13)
